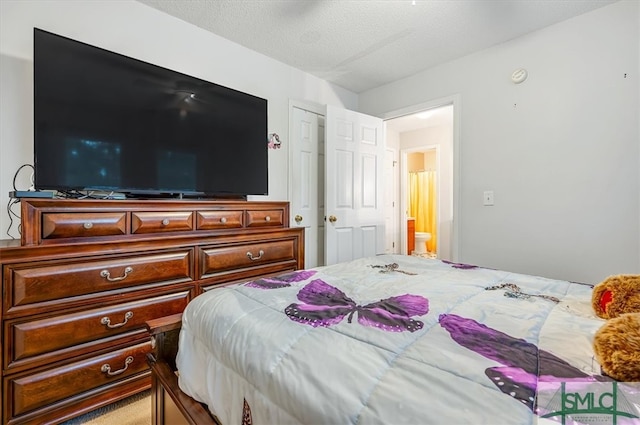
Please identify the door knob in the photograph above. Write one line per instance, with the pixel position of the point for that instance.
(333, 218)
(298, 218)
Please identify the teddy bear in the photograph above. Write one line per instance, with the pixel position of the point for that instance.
(617, 342)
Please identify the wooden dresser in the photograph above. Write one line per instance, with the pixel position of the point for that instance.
(87, 274)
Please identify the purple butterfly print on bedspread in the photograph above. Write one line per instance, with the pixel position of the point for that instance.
(524, 364)
(281, 281)
(326, 305)
(462, 266)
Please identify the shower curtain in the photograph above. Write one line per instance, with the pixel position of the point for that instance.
(422, 204)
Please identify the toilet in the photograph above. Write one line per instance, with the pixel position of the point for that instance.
(421, 242)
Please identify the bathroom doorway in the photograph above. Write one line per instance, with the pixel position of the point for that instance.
(422, 201)
(425, 141)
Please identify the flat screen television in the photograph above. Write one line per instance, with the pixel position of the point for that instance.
(108, 122)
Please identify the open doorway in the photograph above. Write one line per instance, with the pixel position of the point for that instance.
(425, 142)
(423, 175)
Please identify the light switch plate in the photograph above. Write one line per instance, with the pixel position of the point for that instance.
(487, 198)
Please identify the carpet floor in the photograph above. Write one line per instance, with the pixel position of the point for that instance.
(135, 410)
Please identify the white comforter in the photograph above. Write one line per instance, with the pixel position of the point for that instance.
(426, 342)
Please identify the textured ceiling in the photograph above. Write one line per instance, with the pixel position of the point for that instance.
(363, 44)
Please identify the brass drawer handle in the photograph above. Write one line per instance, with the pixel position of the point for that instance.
(107, 275)
(88, 225)
(223, 220)
(252, 258)
(107, 369)
(106, 321)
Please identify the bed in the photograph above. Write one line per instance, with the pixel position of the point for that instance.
(392, 339)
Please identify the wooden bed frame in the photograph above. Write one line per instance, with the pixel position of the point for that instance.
(169, 405)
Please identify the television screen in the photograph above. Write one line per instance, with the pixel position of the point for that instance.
(104, 121)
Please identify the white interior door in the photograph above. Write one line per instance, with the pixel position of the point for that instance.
(305, 191)
(354, 209)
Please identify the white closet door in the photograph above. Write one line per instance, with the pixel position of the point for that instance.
(354, 210)
(305, 191)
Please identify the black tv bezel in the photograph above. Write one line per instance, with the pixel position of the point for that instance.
(137, 193)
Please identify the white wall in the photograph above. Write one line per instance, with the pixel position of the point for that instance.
(536, 145)
(16, 135)
(136, 30)
(561, 151)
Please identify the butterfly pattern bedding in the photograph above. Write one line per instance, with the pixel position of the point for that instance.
(387, 340)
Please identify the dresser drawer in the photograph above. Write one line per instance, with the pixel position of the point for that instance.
(219, 220)
(35, 284)
(30, 392)
(161, 221)
(217, 260)
(265, 218)
(39, 337)
(76, 225)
